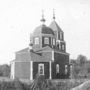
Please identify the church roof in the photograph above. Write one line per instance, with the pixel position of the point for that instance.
(23, 50)
(49, 49)
(40, 55)
(55, 26)
(43, 29)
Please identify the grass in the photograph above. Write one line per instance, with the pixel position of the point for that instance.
(41, 83)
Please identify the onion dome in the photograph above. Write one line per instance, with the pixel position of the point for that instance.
(43, 29)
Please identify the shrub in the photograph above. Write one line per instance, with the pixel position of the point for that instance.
(50, 85)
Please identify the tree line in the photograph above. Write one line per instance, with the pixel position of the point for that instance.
(79, 66)
(4, 70)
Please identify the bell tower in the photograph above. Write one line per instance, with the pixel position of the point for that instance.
(59, 34)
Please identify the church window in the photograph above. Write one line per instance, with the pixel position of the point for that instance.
(61, 35)
(36, 40)
(63, 47)
(46, 40)
(41, 69)
(57, 68)
(59, 45)
(53, 41)
(66, 70)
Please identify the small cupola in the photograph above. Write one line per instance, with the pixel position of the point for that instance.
(42, 36)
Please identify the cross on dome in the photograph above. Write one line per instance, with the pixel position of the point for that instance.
(54, 14)
(43, 20)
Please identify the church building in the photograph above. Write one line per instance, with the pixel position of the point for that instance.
(46, 54)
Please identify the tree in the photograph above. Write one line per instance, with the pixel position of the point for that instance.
(81, 59)
(73, 61)
(4, 70)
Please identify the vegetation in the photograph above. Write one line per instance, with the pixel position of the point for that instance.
(40, 83)
(79, 66)
(81, 59)
(4, 70)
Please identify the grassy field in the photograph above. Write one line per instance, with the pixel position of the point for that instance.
(39, 84)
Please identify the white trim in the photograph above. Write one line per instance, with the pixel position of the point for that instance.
(22, 52)
(53, 42)
(31, 69)
(12, 76)
(48, 35)
(14, 71)
(50, 70)
(63, 47)
(66, 70)
(52, 55)
(21, 61)
(57, 40)
(57, 68)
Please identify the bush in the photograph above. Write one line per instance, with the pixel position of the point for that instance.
(50, 85)
(40, 84)
(26, 86)
(11, 85)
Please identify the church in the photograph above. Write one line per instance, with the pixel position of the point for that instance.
(46, 54)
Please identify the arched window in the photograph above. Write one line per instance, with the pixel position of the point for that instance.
(36, 40)
(46, 40)
(66, 69)
(59, 46)
(63, 47)
(53, 41)
(58, 43)
(61, 35)
(57, 68)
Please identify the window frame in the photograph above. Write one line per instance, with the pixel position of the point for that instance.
(54, 41)
(41, 65)
(46, 40)
(57, 68)
(63, 47)
(36, 40)
(66, 69)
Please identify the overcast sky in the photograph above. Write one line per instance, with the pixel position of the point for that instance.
(19, 18)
